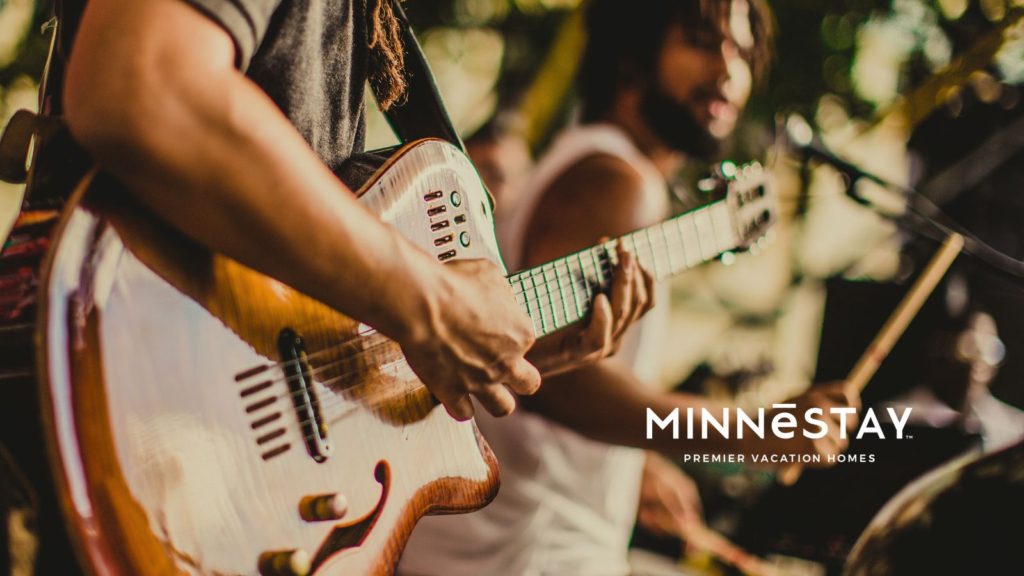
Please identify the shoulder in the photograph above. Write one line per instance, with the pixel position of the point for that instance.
(601, 186)
(598, 195)
(599, 176)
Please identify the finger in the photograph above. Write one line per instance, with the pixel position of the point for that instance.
(834, 444)
(459, 407)
(843, 393)
(649, 281)
(597, 338)
(835, 419)
(622, 292)
(496, 399)
(841, 402)
(523, 377)
(641, 295)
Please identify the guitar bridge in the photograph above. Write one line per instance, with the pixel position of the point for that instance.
(300, 383)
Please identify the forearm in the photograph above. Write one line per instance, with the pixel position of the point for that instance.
(607, 403)
(220, 162)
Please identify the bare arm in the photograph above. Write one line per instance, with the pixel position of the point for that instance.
(153, 94)
(605, 402)
(601, 196)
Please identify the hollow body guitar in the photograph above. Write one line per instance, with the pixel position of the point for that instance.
(205, 419)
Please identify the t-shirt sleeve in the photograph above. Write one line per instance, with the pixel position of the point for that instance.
(245, 20)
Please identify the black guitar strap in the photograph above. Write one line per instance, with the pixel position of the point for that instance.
(41, 142)
(422, 113)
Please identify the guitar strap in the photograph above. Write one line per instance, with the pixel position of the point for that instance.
(38, 151)
(421, 114)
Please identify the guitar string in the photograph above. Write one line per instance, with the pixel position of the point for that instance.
(327, 366)
(330, 420)
(326, 404)
(603, 258)
(553, 297)
(604, 262)
(354, 339)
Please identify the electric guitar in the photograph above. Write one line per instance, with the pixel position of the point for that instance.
(205, 419)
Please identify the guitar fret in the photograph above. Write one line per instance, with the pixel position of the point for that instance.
(557, 304)
(561, 294)
(587, 292)
(658, 248)
(654, 255)
(724, 227)
(691, 241)
(575, 294)
(547, 294)
(538, 309)
(666, 243)
(668, 248)
(545, 303)
(638, 253)
(707, 238)
(664, 249)
(682, 245)
(536, 316)
(598, 275)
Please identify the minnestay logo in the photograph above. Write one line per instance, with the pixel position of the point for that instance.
(783, 423)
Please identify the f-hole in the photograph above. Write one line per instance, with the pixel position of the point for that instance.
(352, 535)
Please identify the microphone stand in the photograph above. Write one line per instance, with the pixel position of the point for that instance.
(922, 216)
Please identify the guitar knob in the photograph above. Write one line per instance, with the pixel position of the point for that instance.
(323, 507)
(285, 563)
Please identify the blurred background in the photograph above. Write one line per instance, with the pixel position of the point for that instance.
(924, 93)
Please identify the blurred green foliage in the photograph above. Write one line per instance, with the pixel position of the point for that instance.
(862, 53)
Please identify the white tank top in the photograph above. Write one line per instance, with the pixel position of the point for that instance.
(567, 504)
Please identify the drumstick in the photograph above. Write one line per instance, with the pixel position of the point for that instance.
(894, 327)
(911, 304)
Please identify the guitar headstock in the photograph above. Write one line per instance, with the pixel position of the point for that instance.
(750, 198)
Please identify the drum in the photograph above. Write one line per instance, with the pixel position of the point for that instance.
(962, 518)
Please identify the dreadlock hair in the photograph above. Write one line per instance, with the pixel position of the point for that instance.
(386, 51)
(624, 41)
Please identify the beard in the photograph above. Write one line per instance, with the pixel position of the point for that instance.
(676, 125)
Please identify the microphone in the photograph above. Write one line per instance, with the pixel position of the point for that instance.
(922, 216)
(802, 138)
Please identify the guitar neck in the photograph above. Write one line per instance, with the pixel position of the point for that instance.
(559, 293)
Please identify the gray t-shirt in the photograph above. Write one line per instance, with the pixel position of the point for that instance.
(310, 57)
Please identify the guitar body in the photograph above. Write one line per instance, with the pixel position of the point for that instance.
(206, 419)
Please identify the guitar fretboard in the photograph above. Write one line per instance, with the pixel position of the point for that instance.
(559, 293)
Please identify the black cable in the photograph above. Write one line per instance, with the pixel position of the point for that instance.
(927, 213)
